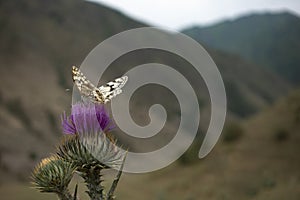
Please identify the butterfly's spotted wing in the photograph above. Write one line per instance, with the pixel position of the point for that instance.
(113, 88)
(84, 86)
(103, 94)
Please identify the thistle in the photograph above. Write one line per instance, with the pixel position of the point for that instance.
(54, 175)
(87, 150)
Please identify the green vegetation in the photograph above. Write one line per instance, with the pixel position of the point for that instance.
(232, 132)
(44, 39)
(269, 183)
(1, 98)
(15, 107)
(32, 155)
(191, 155)
(53, 122)
(237, 103)
(281, 135)
(270, 40)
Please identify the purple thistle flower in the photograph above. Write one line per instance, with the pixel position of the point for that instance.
(68, 125)
(89, 122)
(86, 119)
(103, 118)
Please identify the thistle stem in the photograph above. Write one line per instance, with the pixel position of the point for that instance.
(92, 178)
(65, 195)
(110, 194)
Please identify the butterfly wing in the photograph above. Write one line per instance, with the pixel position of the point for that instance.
(85, 87)
(103, 94)
(112, 88)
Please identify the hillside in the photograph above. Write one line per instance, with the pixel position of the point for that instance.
(263, 164)
(41, 40)
(270, 40)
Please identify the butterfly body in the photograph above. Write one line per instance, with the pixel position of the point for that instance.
(102, 94)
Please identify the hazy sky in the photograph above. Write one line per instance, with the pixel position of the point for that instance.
(176, 14)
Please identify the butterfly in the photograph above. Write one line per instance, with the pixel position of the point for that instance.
(102, 94)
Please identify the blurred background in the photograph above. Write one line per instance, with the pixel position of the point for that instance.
(255, 45)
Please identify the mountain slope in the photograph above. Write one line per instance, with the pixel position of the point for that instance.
(262, 164)
(270, 40)
(41, 40)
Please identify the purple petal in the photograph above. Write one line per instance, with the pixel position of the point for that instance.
(86, 119)
(68, 125)
(103, 118)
